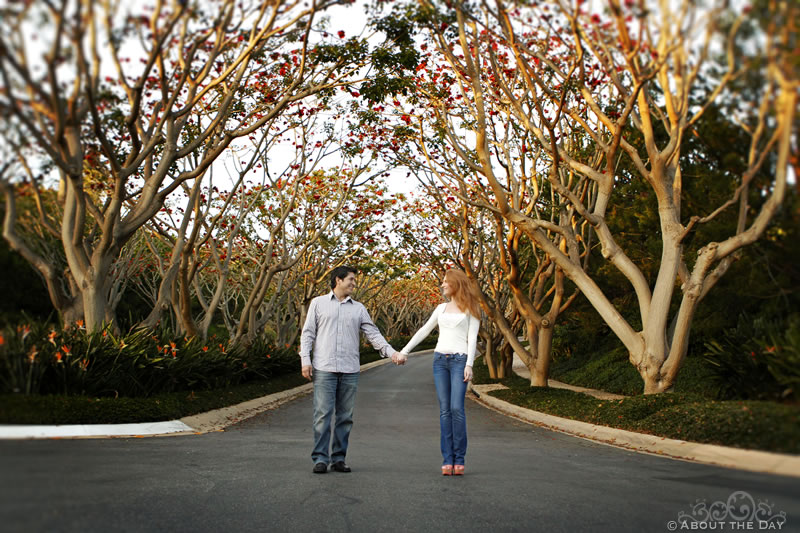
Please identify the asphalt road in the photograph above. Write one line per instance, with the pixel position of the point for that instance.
(256, 476)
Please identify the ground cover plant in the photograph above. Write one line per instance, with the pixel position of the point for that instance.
(751, 424)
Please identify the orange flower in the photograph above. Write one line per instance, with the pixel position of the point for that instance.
(58, 357)
(52, 337)
(32, 354)
(205, 348)
(66, 349)
(269, 356)
(2, 339)
(84, 364)
(79, 323)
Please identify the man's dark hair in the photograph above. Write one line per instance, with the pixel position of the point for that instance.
(341, 272)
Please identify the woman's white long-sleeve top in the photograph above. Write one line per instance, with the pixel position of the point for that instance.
(458, 333)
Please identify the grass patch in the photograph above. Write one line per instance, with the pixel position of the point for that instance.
(610, 371)
(760, 425)
(59, 409)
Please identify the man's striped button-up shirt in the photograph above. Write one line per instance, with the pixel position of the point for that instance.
(332, 332)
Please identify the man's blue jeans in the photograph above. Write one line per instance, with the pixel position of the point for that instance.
(334, 400)
(448, 374)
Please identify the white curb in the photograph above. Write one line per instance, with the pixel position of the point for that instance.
(92, 430)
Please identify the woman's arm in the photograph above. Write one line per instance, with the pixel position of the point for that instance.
(472, 338)
(424, 331)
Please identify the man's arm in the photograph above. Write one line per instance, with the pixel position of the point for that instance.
(373, 334)
(307, 338)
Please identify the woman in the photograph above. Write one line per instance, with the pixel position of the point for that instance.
(452, 363)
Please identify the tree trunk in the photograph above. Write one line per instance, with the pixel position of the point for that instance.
(94, 304)
(505, 366)
(71, 313)
(540, 369)
(187, 322)
(488, 353)
(164, 300)
(213, 305)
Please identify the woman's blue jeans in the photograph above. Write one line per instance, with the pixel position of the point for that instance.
(334, 400)
(448, 374)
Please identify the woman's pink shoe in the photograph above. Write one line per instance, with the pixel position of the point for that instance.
(447, 470)
(458, 470)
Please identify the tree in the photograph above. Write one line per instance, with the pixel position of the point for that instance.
(594, 77)
(440, 231)
(441, 126)
(127, 127)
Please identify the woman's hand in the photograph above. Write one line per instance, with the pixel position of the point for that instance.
(467, 373)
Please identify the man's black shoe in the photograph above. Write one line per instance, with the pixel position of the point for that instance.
(321, 468)
(339, 466)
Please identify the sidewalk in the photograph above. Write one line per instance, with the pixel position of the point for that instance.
(752, 460)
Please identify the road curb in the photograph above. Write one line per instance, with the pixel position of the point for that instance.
(751, 460)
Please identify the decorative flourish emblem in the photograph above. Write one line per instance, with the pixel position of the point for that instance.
(740, 507)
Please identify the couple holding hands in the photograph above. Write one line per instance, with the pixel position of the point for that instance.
(331, 336)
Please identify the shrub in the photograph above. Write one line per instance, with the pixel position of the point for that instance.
(756, 359)
(782, 353)
(38, 359)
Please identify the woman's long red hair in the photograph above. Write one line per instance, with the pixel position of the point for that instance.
(462, 292)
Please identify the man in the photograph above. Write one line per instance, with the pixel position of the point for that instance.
(333, 327)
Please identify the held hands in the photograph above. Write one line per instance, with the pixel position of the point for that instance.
(467, 373)
(399, 358)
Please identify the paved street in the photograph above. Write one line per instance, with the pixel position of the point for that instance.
(256, 476)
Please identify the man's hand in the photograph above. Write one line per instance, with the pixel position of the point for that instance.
(307, 371)
(467, 373)
(399, 358)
